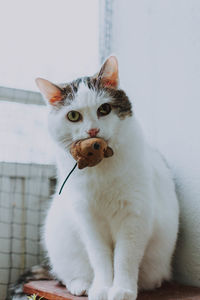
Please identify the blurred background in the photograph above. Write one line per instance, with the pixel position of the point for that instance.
(157, 44)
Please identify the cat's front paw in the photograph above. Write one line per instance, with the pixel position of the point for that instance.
(119, 293)
(79, 286)
(98, 293)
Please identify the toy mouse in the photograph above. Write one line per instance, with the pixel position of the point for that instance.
(89, 152)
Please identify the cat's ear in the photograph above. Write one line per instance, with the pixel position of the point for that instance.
(108, 75)
(50, 91)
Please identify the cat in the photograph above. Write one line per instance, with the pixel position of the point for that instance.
(113, 229)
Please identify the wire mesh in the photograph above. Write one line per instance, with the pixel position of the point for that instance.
(25, 183)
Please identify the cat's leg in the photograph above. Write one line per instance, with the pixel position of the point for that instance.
(68, 257)
(98, 243)
(156, 263)
(131, 240)
(72, 266)
(80, 274)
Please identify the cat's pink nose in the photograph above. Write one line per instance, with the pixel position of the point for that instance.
(93, 132)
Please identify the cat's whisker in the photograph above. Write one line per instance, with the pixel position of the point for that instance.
(66, 142)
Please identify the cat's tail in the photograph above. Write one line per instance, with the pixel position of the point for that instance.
(39, 272)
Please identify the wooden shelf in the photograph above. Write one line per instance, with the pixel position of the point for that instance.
(51, 290)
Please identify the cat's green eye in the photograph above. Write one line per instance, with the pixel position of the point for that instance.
(74, 116)
(104, 110)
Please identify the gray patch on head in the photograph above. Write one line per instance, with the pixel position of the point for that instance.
(75, 85)
(69, 90)
(120, 102)
(89, 82)
(68, 94)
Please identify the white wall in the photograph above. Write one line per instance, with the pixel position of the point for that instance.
(56, 39)
(158, 46)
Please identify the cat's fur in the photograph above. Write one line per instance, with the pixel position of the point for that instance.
(114, 227)
(37, 272)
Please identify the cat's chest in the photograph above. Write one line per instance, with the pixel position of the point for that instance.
(106, 193)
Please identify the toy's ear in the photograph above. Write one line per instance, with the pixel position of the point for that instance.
(108, 152)
(82, 163)
(50, 91)
(108, 75)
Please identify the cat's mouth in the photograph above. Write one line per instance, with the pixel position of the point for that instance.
(96, 137)
(68, 147)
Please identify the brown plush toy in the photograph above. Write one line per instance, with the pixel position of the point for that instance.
(89, 152)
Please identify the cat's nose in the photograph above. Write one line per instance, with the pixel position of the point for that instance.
(93, 132)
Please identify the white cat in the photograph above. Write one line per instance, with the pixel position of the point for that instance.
(114, 227)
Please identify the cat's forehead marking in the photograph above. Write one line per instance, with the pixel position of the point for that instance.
(70, 90)
(88, 81)
(75, 84)
(120, 103)
(83, 93)
(87, 97)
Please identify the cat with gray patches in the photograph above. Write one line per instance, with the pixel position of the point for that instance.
(113, 229)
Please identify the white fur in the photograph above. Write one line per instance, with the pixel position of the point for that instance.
(187, 258)
(114, 227)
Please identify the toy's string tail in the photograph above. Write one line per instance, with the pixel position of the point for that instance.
(67, 178)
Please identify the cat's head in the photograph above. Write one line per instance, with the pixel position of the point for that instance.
(87, 107)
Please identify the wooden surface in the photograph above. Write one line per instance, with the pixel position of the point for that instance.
(51, 290)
